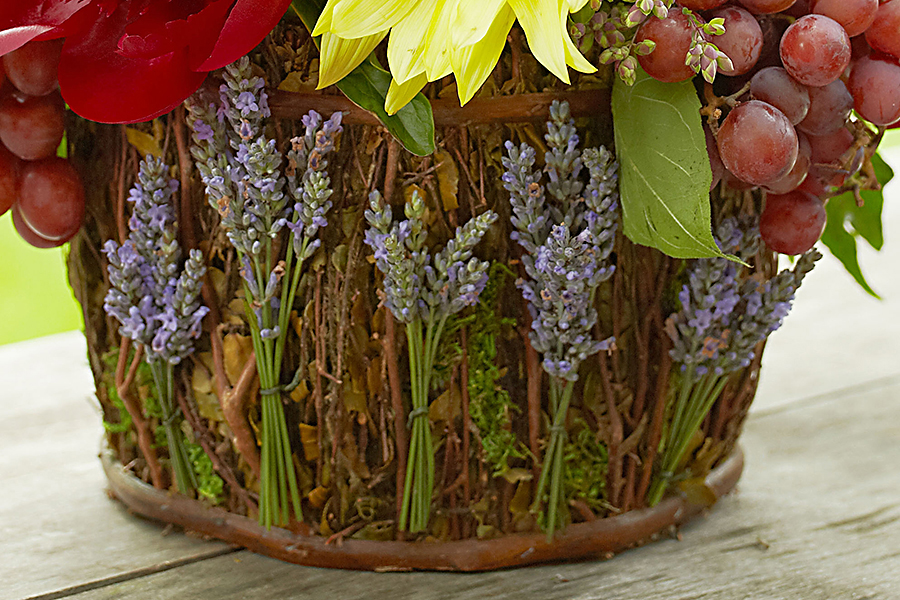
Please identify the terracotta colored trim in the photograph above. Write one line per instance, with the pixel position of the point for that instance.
(580, 541)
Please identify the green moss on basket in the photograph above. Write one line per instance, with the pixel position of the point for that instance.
(489, 404)
(586, 460)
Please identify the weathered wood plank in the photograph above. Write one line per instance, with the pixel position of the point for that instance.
(817, 517)
(57, 526)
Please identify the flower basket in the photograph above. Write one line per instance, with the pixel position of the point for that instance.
(481, 519)
(435, 340)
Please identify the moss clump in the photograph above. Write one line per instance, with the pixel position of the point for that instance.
(586, 459)
(489, 404)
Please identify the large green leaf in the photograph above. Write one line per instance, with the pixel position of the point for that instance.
(367, 86)
(664, 173)
(847, 222)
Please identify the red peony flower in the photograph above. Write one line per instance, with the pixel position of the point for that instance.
(125, 61)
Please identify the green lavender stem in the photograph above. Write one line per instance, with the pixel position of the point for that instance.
(278, 488)
(185, 479)
(554, 464)
(694, 403)
(419, 481)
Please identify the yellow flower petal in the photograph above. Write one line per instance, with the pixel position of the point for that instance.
(574, 58)
(473, 64)
(406, 44)
(472, 19)
(540, 20)
(358, 18)
(323, 24)
(339, 56)
(437, 41)
(399, 94)
(576, 5)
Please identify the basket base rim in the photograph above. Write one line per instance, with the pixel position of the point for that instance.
(594, 539)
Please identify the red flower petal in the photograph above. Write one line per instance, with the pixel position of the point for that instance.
(101, 84)
(21, 21)
(249, 22)
(162, 30)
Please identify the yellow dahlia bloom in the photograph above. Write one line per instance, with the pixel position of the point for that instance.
(429, 39)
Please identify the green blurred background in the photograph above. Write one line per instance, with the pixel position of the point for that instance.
(35, 298)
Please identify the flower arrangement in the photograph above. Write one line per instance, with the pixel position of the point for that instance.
(584, 308)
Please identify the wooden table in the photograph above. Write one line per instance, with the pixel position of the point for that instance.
(816, 515)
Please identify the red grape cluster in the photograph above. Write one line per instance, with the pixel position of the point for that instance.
(44, 192)
(799, 68)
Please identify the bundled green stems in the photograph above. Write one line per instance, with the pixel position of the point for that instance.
(695, 399)
(422, 290)
(185, 478)
(554, 461)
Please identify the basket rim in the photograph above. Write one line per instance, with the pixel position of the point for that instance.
(594, 539)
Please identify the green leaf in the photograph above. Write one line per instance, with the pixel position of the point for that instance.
(413, 125)
(847, 222)
(367, 87)
(664, 168)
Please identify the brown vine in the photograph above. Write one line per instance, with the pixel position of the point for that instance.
(203, 437)
(234, 405)
(141, 426)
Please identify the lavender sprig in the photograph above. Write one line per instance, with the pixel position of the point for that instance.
(156, 299)
(153, 298)
(566, 244)
(422, 292)
(724, 315)
(258, 197)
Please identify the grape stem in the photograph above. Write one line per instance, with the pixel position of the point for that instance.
(713, 109)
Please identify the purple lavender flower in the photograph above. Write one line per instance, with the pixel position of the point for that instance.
(723, 315)
(560, 296)
(310, 188)
(415, 288)
(154, 299)
(564, 269)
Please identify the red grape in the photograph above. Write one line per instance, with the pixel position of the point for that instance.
(32, 126)
(859, 47)
(742, 40)
(797, 174)
(774, 86)
(815, 50)
(792, 223)
(758, 7)
(757, 143)
(29, 235)
(829, 107)
(813, 184)
(798, 9)
(51, 198)
(884, 34)
(829, 148)
(9, 179)
(855, 16)
(875, 87)
(673, 40)
(32, 68)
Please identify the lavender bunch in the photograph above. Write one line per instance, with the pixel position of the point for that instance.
(724, 315)
(566, 250)
(423, 291)
(156, 298)
(259, 196)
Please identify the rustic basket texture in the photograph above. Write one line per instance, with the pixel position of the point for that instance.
(348, 416)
